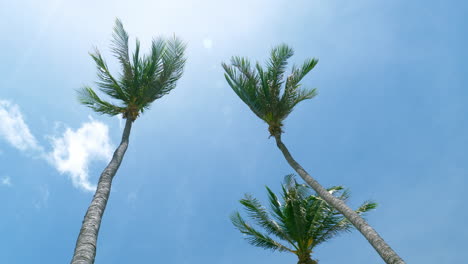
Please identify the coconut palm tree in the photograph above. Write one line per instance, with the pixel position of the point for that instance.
(302, 220)
(143, 80)
(272, 99)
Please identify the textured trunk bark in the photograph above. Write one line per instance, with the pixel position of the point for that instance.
(85, 249)
(306, 260)
(384, 250)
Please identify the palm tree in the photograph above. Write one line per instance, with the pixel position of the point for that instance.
(302, 220)
(143, 80)
(272, 99)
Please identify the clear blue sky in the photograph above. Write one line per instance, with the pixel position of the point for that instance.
(390, 123)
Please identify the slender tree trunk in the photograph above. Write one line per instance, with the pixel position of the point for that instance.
(384, 250)
(85, 249)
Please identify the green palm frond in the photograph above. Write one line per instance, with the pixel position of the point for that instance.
(295, 221)
(276, 66)
(289, 183)
(173, 62)
(275, 205)
(107, 83)
(255, 237)
(292, 82)
(335, 222)
(366, 207)
(88, 97)
(329, 225)
(120, 49)
(264, 90)
(242, 85)
(258, 213)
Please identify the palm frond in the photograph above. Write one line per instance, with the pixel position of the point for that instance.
(336, 222)
(88, 97)
(336, 189)
(244, 88)
(366, 207)
(255, 237)
(303, 95)
(275, 205)
(152, 64)
(289, 182)
(294, 211)
(137, 68)
(106, 82)
(292, 82)
(276, 66)
(293, 94)
(120, 49)
(263, 78)
(173, 64)
(168, 57)
(257, 212)
(329, 225)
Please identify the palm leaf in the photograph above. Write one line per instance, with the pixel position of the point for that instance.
(247, 93)
(107, 83)
(275, 205)
(88, 97)
(173, 62)
(276, 66)
(255, 237)
(120, 49)
(257, 212)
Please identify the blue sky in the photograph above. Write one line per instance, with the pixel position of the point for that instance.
(389, 123)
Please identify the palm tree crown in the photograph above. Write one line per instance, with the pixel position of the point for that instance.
(265, 91)
(143, 78)
(303, 220)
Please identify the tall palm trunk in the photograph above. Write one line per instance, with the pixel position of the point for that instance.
(85, 249)
(384, 250)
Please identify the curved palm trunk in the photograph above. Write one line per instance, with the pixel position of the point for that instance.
(384, 250)
(85, 249)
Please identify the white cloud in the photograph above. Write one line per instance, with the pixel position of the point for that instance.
(207, 43)
(6, 181)
(43, 198)
(71, 152)
(74, 150)
(13, 128)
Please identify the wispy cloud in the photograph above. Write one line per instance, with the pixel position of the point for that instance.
(43, 198)
(6, 181)
(71, 151)
(13, 128)
(74, 150)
